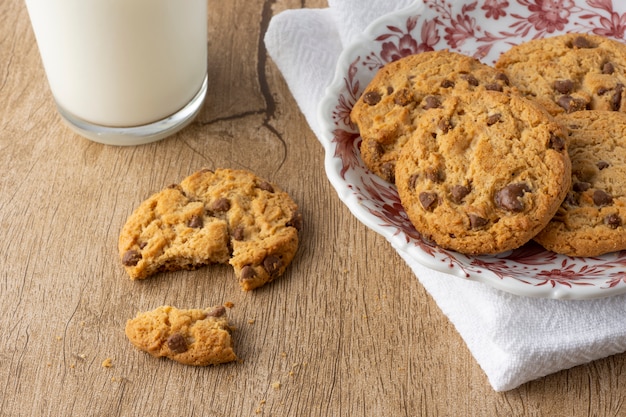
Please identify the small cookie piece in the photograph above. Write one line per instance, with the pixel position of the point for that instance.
(484, 172)
(402, 90)
(590, 222)
(192, 337)
(570, 72)
(213, 217)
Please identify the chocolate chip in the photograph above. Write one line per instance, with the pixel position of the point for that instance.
(131, 258)
(447, 84)
(582, 42)
(375, 148)
(272, 264)
(431, 102)
(388, 171)
(195, 222)
(564, 86)
(435, 175)
(571, 104)
(238, 233)
(471, 80)
(603, 90)
(220, 205)
(266, 186)
(458, 193)
(177, 343)
(143, 245)
(428, 200)
(602, 165)
(403, 98)
(616, 100)
(613, 221)
(509, 197)
(493, 119)
(389, 90)
(218, 311)
(608, 68)
(372, 98)
(295, 221)
(581, 186)
(445, 125)
(502, 77)
(556, 142)
(247, 272)
(602, 198)
(412, 180)
(476, 222)
(494, 87)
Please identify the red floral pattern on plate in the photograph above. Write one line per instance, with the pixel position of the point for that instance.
(483, 29)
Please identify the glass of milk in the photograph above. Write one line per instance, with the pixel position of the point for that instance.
(124, 72)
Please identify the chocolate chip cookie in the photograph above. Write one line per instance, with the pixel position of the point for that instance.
(192, 337)
(590, 221)
(402, 90)
(484, 172)
(570, 72)
(214, 217)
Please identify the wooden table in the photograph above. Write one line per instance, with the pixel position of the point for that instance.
(347, 331)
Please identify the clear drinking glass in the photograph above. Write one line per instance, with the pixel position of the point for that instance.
(124, 72)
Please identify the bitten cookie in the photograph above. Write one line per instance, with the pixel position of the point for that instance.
(570, 72)
(484, 172)
(590, 222)
(213, 217)
(402, 90)
(192, 337)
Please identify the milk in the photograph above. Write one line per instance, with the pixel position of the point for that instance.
(122, 63)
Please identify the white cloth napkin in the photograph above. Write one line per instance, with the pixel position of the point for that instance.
(514, 339)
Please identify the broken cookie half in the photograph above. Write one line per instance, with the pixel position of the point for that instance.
(192, 337)
(221, 216)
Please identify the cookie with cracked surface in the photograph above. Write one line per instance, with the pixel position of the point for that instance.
(192, 337)
(226, 216)
(569, 73)
(483, 173)
(590, 222)
(402, 90)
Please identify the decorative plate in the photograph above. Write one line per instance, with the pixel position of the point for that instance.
(483, 29)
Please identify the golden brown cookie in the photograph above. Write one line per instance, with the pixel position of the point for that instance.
(401, 91)
(213, 217)
(590, 222)
(484, 172)
(570, 72)
(192, 337)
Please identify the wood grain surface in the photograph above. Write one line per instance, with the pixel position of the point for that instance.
(347, 331)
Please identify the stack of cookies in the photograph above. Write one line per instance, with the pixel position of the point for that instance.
(487, 158)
